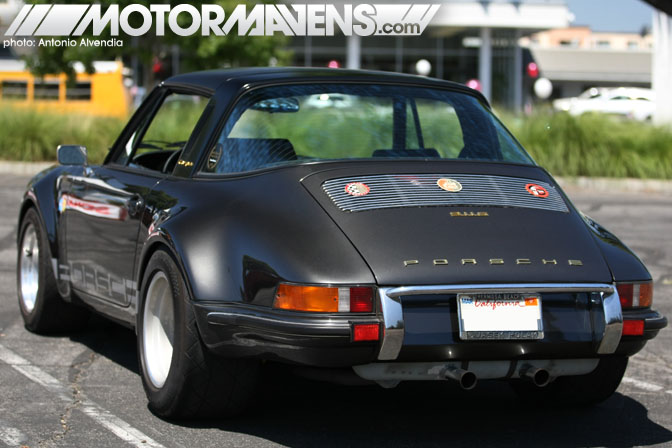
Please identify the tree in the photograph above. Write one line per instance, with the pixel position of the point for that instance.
(197, 52)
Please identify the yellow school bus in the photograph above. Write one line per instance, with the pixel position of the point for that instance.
(102, 93)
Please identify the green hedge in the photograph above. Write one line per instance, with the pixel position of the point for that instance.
(590, 145)
(30, 135)
(595, 145)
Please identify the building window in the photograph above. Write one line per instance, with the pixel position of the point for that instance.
(569, 43)
(603, 44)
(14, 90)
(46, 90)
(78, 91)
(633, 45)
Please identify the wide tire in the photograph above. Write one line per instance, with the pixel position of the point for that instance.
(42, 308)
(182, 379)
(579, 390)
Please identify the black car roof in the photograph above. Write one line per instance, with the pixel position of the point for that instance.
(212, 79)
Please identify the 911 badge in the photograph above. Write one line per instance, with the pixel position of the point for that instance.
(450, 185)
(536, 190)
(357, 189)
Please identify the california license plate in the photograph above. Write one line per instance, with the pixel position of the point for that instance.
(500, 316)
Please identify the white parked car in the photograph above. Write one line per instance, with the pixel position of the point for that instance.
(631, 102)
(324, 100)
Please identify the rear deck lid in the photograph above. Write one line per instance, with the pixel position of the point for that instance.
(459, 223)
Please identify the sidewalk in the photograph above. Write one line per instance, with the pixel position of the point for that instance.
(597, 184)
(607, 184)
(23, 168)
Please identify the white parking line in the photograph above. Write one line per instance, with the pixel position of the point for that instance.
(114, 424)
(11, 436)
(643, 385)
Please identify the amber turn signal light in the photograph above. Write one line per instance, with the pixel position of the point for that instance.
(324, 299)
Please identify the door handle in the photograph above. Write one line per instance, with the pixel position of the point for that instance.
(135, 205)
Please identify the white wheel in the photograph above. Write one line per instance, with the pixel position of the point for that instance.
(158, 329)
(29, 266)
(181, 378)
(42, 308)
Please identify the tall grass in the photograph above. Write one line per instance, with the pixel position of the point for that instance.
(589, 145)
(27, 134)
(595, 145)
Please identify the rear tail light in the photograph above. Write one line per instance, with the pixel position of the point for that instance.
(635, 295)
(324, 299)
(360, 300)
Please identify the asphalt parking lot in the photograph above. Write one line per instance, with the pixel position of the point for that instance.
(83, 389)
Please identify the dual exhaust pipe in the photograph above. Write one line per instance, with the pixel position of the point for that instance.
(467, 379)
(539, 377)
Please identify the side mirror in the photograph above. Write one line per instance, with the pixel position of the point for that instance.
(71, 155)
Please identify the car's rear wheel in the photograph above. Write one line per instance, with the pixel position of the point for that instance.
(181, 377)
(42, 308)
(579, 390)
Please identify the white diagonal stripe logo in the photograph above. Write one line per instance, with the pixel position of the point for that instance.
(403, 19)
(19, 18)
(61, 20)
(33, 20)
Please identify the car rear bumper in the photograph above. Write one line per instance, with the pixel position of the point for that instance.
(580, 320)
(653, 323)
(235, 330)
(420, 324)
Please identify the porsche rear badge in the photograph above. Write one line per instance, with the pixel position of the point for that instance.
(494, 261)
(469, 214)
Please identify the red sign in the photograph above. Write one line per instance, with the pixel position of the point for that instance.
(357, 189)
(536, 190)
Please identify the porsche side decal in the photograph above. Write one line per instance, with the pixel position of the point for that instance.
(87, 278)
(495, 261)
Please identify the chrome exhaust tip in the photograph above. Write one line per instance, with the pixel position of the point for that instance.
(540, 377)
(465, 378)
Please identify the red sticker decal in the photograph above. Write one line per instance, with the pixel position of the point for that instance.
(357, 189)
(536, 190)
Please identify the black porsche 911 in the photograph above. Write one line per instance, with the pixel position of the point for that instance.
(363, 225)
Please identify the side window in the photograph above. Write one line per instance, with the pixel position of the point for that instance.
(158, 140)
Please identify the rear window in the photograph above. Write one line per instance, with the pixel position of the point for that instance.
(306, 123)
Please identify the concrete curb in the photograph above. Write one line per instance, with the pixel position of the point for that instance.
(23, 168)
(597, 184)
(607, 184)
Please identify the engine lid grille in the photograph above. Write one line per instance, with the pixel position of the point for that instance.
(423, 190)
